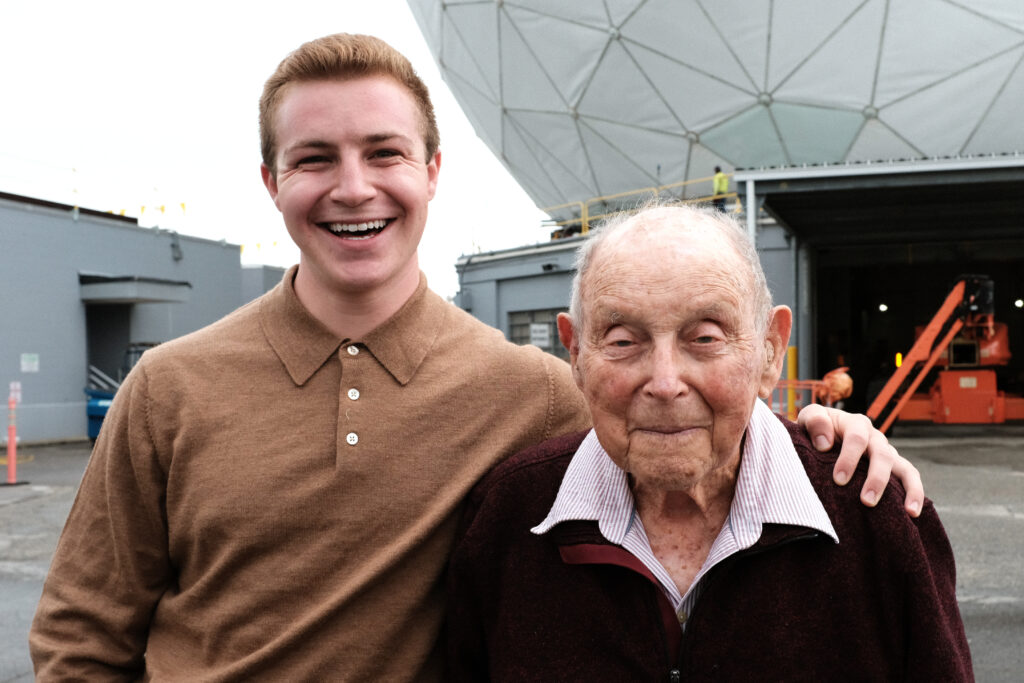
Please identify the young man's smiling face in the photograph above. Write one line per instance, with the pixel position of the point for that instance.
(353, 184)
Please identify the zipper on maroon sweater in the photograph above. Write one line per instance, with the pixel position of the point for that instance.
(717, 571)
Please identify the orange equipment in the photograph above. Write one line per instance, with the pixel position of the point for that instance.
(962, 337)
(836, 385)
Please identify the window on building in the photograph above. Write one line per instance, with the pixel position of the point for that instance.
(537, 328)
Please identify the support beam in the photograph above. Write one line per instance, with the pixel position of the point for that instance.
(752, 208)
(804, 313)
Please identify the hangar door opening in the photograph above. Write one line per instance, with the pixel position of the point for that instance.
(108, 328)
(870, 298)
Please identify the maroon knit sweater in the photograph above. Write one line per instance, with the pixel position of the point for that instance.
(569, 606)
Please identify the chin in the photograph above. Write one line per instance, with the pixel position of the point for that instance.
(670, 475)
(362, 277)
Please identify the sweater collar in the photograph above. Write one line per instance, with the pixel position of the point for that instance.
(402, 342)
(303, 344)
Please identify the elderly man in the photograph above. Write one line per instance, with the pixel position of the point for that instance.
(690, 535)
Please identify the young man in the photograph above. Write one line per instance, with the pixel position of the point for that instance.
(275, 496)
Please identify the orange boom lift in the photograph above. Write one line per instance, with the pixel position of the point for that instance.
(963, 339)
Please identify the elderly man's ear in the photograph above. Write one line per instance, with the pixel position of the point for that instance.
(568, 338)
(780, 323)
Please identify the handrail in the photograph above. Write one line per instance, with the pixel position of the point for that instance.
(562, 206)
(102, 380)
(586, 217)
(793, 394)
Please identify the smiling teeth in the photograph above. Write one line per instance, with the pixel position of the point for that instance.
(339, 228)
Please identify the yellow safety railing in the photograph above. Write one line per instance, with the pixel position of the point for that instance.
(583, 219)
(587, 216)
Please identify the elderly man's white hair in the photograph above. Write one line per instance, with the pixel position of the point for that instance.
(685, 215)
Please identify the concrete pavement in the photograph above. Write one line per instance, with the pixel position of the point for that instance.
(31, 517)
(976, 479)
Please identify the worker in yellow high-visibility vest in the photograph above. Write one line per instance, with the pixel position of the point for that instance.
(719, 186)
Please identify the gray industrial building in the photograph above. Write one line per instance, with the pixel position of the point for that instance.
(84, 289)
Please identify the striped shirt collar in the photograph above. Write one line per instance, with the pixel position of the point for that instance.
(772, 487)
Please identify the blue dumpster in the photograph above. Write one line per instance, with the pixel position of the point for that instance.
(96, 409)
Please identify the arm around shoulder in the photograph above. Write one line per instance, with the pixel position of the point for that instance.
(111, 565)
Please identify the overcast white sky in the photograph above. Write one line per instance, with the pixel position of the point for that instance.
(115, 105)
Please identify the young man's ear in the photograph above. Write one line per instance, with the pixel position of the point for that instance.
(433, 169)
(567, 335)
(780, 324)
(270, 182)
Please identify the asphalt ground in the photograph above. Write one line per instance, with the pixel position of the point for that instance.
(974, 475)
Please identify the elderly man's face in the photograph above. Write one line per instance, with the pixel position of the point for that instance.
(668, 357)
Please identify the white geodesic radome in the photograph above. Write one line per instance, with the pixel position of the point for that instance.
(585, 98)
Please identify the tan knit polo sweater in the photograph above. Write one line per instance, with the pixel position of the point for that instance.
(267, 502)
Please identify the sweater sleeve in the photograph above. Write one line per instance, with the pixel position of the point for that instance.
(111, 565)
(567, 411)
(937, 647)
